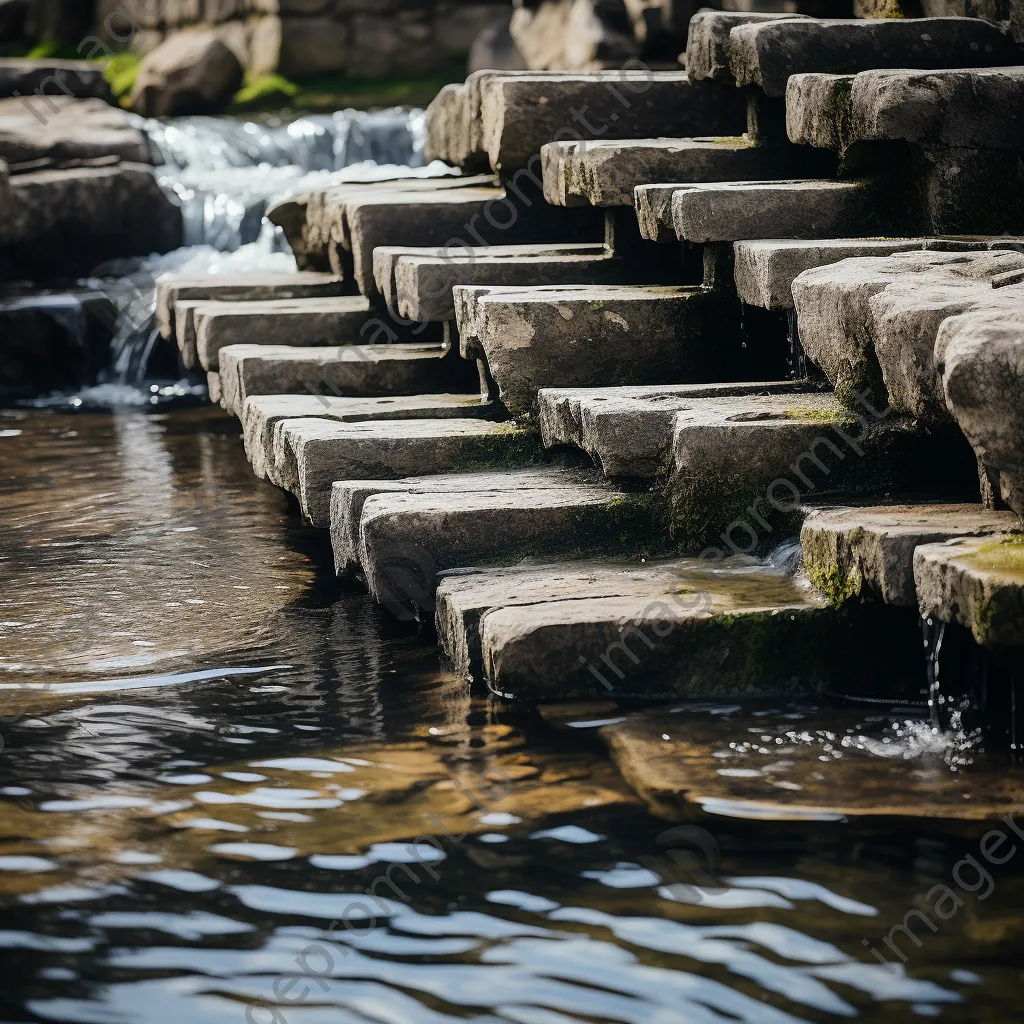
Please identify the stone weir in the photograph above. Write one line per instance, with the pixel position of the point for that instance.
(585, 407)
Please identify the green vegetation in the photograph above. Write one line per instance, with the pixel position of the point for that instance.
(271, 89)
(120, 71)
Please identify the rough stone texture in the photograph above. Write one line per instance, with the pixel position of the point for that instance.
(326, 451)
(766, 54)
(980, 357)
(605, 173)
(765, 270)
(684, 760)
(349, 496)
(335, 320)
(51, 131)
(871, 323)
(423, 534)
(976, 582)
(213, 386)
(707, 46)
(253, 286)
(423, 284)
(972, 108)
(628, 431)
(68, 221)
(522, 114)
(731, 211)
(262, 413)
(356, 370)
(699, 635)
(584, 336)
(584, 34)
(190, 73)
(854, 552)
(53, 79)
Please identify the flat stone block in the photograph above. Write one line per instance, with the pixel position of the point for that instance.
(707, 46)
(21, 77)
(977, 582)
(606, 173)
(627, 431)
(262, 414)
(352, 370)
(349, 496)
(252, 286)
(583, 336)
(765, 270)
(306, 322)
(850, 552)
(699, 634)
(326, 451)
(415, 536)
(766, 54)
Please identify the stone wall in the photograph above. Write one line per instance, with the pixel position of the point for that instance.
(300, 38)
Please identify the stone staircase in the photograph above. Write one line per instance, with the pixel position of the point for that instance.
(583, 455)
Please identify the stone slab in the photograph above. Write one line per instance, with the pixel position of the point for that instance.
(869, 551)
(42, 83)
(628, 431)
(766, 54)
(406, 537)
(325, 451)
(800, 764)
(707, 46)
(349, 496)
(336, 320)
(353, 370)
(605, 173)
(262, 413)
(252, 286)
(582, 336)
(977, 582)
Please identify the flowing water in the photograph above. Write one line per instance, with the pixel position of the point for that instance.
(211, 752)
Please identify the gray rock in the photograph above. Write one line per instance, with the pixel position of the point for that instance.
(534, 338)
(578, 34)
(349, 496)
(253, 286)
(326, 451)
(355, 370)
(871, 323)
(262, 413)
(605, 173)
(980, 357)
(766, 54)
(423, 534)
(336, 320)
(55, 131)
(707, 53)
(653, 205)
(43, 82)
(189, 73)
(854, 552)
(977, 582)
(628, 431)
(213, 386)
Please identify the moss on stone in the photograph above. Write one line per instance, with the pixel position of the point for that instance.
(835, 585)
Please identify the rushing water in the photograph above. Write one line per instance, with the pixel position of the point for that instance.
(211, 751)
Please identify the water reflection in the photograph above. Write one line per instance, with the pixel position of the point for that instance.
(285, 812)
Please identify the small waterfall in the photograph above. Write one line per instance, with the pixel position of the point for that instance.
(934, 633)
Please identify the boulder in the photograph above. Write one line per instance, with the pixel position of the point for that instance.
(190, 73)
(23, 76)
(583, 34)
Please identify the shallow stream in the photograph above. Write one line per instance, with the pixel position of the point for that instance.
(211, 751)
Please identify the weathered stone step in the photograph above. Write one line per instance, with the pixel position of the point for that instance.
(415, 536)
(518, 114)
(801, 764)
(418, 283)
(736, 210)
(21, 77)
(585, 336)
(681, 629)
(869, 551)
(337, 320)
(707, 46)
(262, 414)
(976, 108)
(977, 582)
(353, 370)
(349, 496)
(252, 286)
(765, 54)
(628, 431)
(318, 452)
(606, 172)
